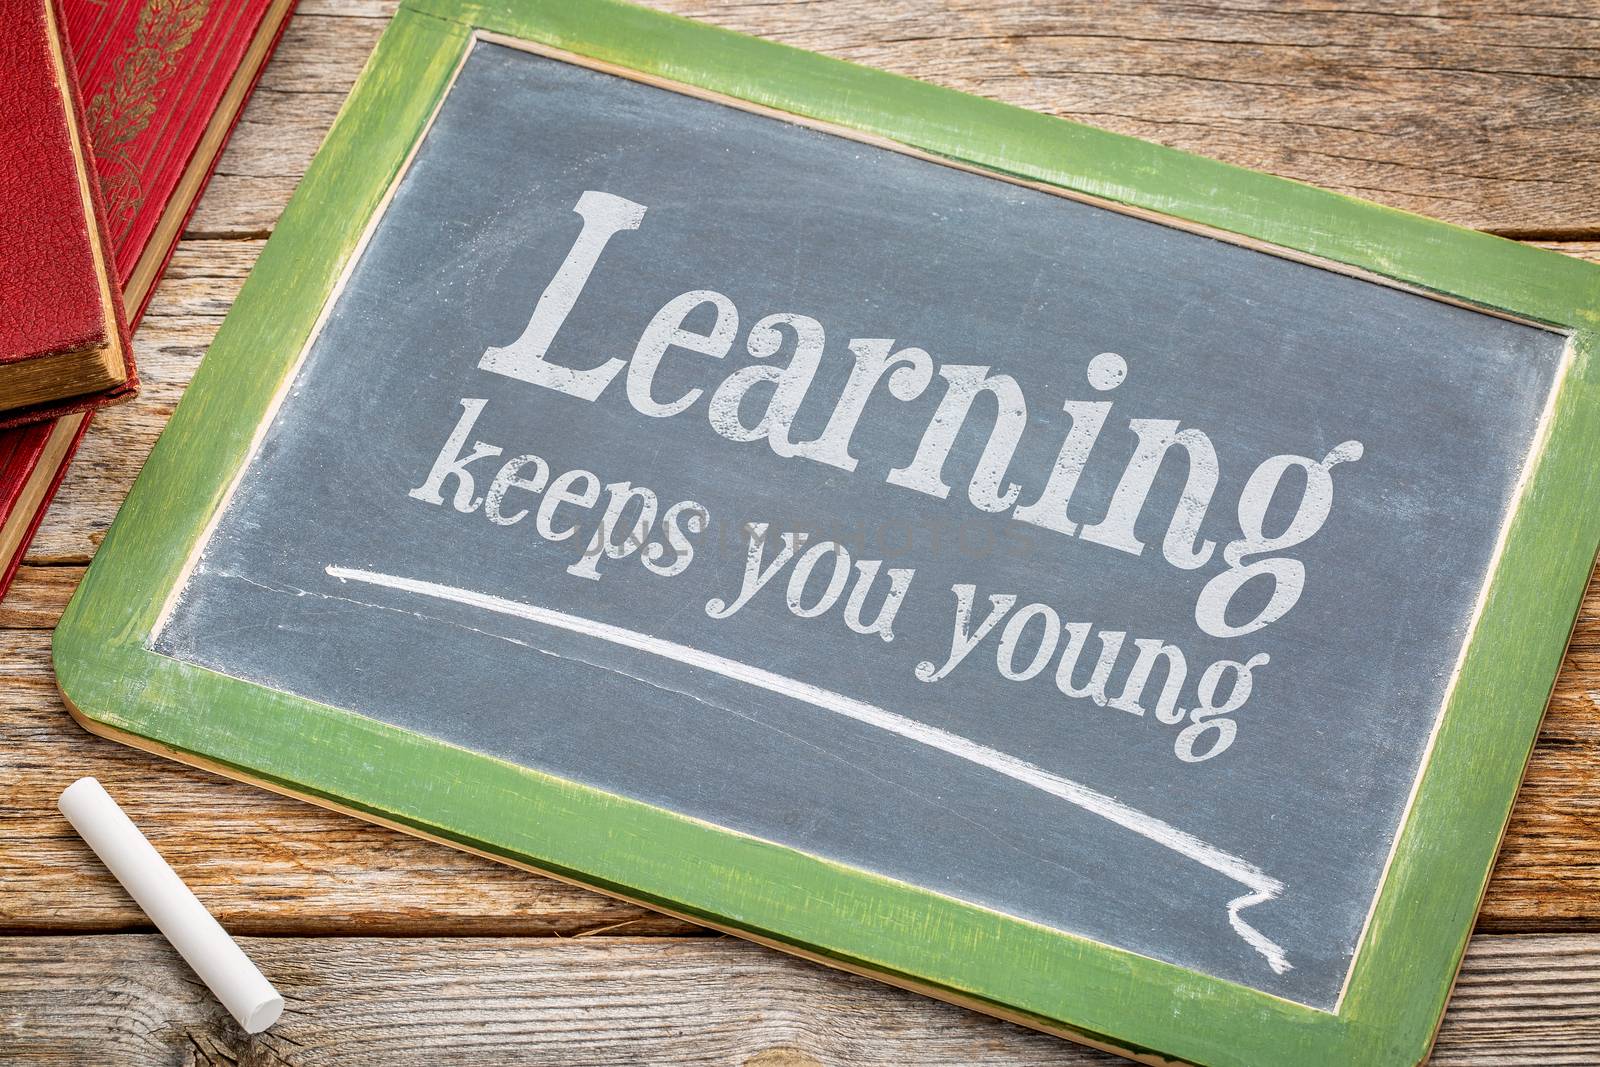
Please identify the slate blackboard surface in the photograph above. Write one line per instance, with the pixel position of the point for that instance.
(331, 575)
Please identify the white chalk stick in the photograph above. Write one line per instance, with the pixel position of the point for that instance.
(156, 887)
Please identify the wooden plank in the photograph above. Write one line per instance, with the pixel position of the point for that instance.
(272, 865)
(263, 863)
(37, 596)
(391, 1002)
(1551, 851)
(1589, 250)
(1479, 116)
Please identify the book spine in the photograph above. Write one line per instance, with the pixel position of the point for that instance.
(211, 167)
(29, 450)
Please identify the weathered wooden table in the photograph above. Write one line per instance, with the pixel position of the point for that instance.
(393, 951)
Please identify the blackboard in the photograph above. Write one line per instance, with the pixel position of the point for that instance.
(1366, 440)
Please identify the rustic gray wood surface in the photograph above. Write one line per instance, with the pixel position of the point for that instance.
(382, 943)
(378, 1002)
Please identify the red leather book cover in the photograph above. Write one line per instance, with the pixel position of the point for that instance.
(163, 83)
(60, 304)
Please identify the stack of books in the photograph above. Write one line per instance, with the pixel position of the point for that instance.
(114, 114)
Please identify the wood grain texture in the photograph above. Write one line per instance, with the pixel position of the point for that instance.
(360, 1002)
(1468, 113)
(263, 863)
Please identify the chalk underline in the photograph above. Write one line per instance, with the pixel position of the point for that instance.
(1262, 886)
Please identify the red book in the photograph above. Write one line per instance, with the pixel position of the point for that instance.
(63, 339)
(163, 82)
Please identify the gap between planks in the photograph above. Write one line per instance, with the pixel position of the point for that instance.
(1482, 118)
(391, 1003)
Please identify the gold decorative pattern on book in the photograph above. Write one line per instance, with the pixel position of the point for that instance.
(121, 111)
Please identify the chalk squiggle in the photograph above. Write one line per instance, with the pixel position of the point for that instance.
(1262, 886)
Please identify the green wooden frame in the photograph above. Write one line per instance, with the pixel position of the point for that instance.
(958, 951)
